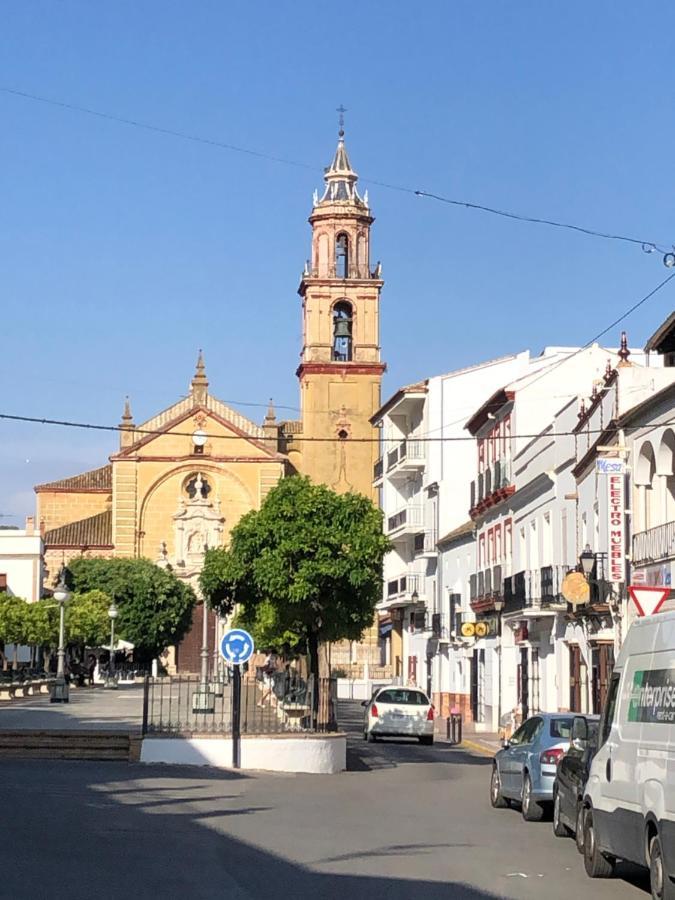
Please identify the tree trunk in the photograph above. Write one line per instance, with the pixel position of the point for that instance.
(313, 653)
(16, 656)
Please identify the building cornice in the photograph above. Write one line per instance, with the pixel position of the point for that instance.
(342, 369)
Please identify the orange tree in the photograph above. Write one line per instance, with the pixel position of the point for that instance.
(307, 567)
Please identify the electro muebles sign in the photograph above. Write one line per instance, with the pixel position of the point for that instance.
(616, 526)
(652, 697)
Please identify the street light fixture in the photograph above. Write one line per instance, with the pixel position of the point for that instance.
(111, 681)
(60, 690)
(587, 560)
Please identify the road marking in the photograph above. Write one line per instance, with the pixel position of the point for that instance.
(478, 748)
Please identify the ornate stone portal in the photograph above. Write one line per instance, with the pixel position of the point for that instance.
(198, 525)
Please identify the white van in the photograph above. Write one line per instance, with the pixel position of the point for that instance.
(630, 794)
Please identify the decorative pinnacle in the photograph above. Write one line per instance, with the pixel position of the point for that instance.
(126, 415)
(609, 371)
(582, 410)
(271, 417)
(200, 382)
(624, 352)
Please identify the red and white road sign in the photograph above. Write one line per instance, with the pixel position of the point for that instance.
(648, 600)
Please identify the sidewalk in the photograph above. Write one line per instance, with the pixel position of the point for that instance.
(93, 709)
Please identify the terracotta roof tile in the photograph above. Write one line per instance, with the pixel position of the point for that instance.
(96, 531)
(94, 480)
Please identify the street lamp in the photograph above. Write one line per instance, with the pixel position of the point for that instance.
(111, 681)
(60, 691)
(587, 560)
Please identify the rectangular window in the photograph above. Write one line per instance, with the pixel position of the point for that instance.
(481, 551)
(498, 543)
(609, 711)
(508, 539)
(491, 547)
(481, 455)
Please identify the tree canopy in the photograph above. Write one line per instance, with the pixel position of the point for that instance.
(155, 607)
(307, 565)
(87, 620)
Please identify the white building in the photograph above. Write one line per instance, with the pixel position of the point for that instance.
(21, 561)
(423, 474)
(539, 500)
(21, 570)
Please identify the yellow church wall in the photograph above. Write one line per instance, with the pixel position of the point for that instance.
(331, 403)
(150, 480)
(56, 508)
(319, 303)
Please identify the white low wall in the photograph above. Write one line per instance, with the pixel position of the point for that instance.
(320, 754)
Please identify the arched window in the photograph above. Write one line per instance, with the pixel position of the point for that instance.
(342, 256)
(342, 331)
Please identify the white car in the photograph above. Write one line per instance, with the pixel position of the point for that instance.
(396, 711)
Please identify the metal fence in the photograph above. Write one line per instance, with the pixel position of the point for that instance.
(281, 704)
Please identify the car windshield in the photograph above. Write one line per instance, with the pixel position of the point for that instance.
(562, 728)
(402, 697)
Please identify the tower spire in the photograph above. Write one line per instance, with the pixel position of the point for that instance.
(199, 387)
(340, 178)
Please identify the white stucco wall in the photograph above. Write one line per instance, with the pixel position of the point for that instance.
(21, 562)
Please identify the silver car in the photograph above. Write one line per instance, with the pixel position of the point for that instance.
(524, 769)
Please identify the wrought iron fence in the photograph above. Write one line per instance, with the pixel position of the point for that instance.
(280, 704)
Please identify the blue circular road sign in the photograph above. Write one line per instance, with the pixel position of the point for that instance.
(236, 647)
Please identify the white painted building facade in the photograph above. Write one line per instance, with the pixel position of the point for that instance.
(423, 475)
(21, 562)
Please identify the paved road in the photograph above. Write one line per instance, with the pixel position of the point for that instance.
(406, 822)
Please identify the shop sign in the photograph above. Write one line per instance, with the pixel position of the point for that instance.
(616, 523)
(610, 465)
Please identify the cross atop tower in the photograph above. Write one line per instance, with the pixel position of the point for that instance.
(341, 110)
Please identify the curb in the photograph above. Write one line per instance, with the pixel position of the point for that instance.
(477, 748)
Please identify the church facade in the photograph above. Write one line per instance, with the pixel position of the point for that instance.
(180, 481)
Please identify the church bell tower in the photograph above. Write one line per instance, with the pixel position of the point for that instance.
(340, 370)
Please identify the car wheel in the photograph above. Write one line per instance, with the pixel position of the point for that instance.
(427, 739)
(532, 811)
(597, 865)
(579, 833)
(559, 828)
(661, 885)
(496, 799)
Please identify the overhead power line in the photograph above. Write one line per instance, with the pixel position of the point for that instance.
(647, 245)
(38, 420)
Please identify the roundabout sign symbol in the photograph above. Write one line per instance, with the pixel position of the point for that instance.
(236, 646)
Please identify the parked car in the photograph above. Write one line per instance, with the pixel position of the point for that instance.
(630, 795)
(524, 769)
(571, 777)
(395, 711)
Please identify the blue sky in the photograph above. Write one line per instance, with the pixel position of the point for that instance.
(123, 251)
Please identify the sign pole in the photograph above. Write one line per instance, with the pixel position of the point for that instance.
(236, 716)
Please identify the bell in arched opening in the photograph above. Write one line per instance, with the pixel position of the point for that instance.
(342, 332)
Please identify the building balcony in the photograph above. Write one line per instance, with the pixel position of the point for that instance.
(491, 487)
(401, 591)
(654, 545)
(484, 588)
(404, 522)
(424, 543)
(405, 459)
(535, 589)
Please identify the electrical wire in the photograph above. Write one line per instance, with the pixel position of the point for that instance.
(647, 245)
(291, 438)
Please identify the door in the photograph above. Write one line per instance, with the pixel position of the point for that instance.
(412, 670)
(477, 682)
(524, 683)
(575, 678)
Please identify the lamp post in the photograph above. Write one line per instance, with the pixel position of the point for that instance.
(60, 690)
(499, 604)
(111, 681)
(587, 560)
